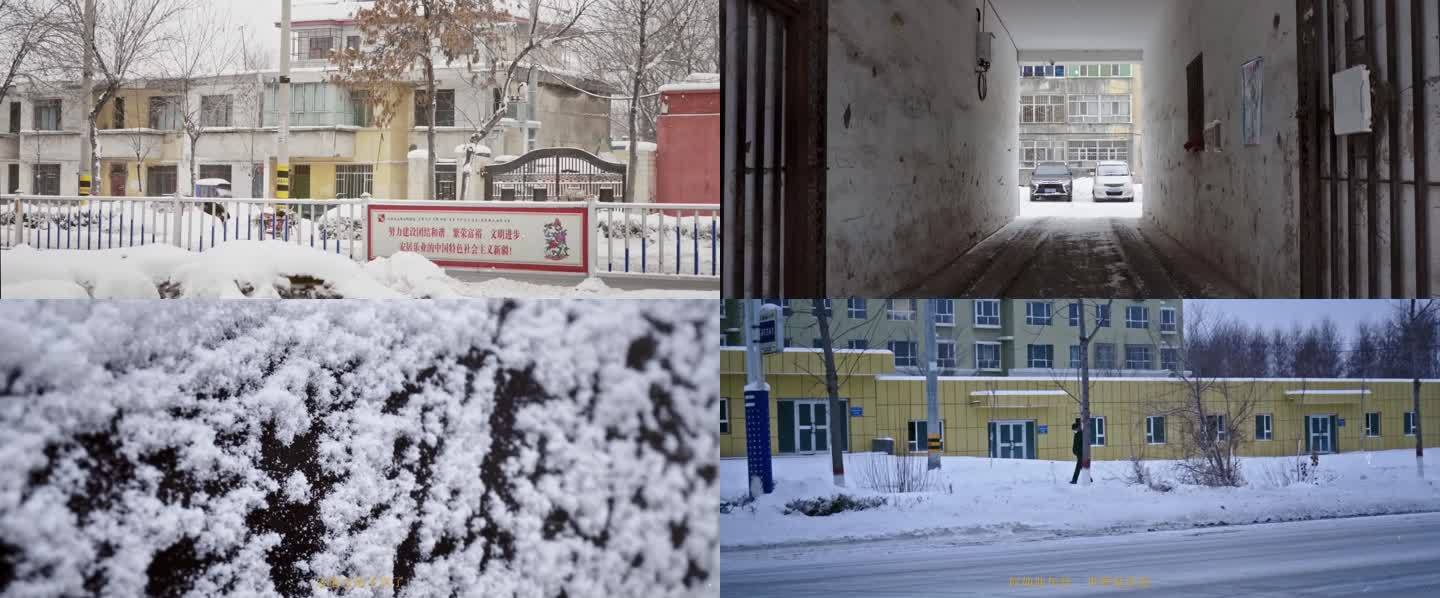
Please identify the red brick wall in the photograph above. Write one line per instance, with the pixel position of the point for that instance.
(687, 161)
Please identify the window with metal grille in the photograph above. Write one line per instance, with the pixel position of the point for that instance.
(47, 115)
(352, 180)
(444, 108)
(1033, 152)
(445, 181)
(1099, 109)
(46, 179)
(215, 111)
(164, 113)
(1042, 109)
(160, 180)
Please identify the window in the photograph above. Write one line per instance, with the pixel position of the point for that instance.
(13, 186)
(724, 416)
(1155, 429)
(987, 313)
(1102, 315)
(47, 179)
(904, 353)
(917, 436)
(445, 183)
(352, 42)
(855, 308)
(1074, 309)
(1101, 70)
(1042, 109)
(1195, 102)
(47, 115)
(905, 311)
(1035, 151)
(1137, 316)
(164, 113)
(215, 111)
(816, 343)
(1137, 357)
(352, 180)
(216, 171)
(160, 181)
(257, 180)
(1042, 70)
(362, 108)
(444, 108)
(825, 307)
(1215, 427)
(945, 354)
(1037, 313)
(1099, 149)
(318, 48)
(1097, 430)
(1099, 108)
(1169, 359)
(14, 117)
(945, 312)
(117, 114)
(1372, 423)
(1409, 424)
(1262, 426)
(987, 356)
(1040, 356)
(1105, 356)
(858, 344)
(1167, 320)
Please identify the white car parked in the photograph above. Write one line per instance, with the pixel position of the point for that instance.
(1113, 182)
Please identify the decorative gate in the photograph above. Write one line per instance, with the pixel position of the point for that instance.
(555, 173)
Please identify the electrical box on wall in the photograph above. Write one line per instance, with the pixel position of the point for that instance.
(1352, 101)
(982, 51)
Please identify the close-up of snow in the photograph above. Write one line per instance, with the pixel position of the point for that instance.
(486, 447)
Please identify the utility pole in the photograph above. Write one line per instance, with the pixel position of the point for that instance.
(282, 141)
(932, 403)
(757, 406)
(87, 91)
(832, 390)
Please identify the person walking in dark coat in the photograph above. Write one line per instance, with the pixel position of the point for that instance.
(1076, 449)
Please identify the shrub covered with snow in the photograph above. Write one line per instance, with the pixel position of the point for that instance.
(537, 448)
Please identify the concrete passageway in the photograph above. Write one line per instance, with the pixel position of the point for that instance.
(874, 148)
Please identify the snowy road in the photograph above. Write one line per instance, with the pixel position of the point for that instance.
(1393, 555)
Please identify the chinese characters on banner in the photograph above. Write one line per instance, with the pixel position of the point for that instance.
(541, 239)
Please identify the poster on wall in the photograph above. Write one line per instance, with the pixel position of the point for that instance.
(1251, 75)
(538, 239)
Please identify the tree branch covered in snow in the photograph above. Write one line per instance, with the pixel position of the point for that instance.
(506, 448)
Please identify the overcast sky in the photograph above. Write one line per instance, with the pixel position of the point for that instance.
(1272, 313)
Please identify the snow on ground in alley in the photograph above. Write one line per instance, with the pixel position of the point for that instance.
(508, 448)
(981, 500)
(1084, 205)
(263, 269)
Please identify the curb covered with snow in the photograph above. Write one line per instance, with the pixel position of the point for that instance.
(984, 500)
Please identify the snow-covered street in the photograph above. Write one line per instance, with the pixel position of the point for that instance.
(1395, 555)
(993, 500)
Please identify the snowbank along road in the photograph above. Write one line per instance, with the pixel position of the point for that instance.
(560, 448)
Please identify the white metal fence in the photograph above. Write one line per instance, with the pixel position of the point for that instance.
(638, 240)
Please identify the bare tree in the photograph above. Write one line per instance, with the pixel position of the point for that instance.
(25, 26)
(402, 37)
(634, 41)
(1415, 332)
(1208, 406)
(198, 61)
(129, 36)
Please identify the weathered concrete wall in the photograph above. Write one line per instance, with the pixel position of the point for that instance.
(1236, 208)
(920, 169)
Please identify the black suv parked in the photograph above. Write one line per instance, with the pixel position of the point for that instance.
(1052, 180)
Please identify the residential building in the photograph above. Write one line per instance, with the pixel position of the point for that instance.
(995, 337)
(337, 145)
(1029, 417)
(1080, 114)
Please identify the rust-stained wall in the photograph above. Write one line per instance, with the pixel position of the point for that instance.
(1237, 208)
(920, 169)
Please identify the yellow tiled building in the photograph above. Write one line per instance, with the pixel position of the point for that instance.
(1030, 417)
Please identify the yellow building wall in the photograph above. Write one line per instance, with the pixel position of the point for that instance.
(890, 402)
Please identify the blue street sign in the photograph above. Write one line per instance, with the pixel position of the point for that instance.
(765, 333)
(1044, 429)
(757, 438)
(857, 411)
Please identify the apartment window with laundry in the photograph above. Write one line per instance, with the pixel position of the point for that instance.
(47, 115)
(444, 108)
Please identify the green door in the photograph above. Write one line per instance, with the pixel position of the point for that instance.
(300, 182)
(785, 424)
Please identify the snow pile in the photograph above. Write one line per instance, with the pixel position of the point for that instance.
(412, 275)
(216, 448)
(989, 499)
